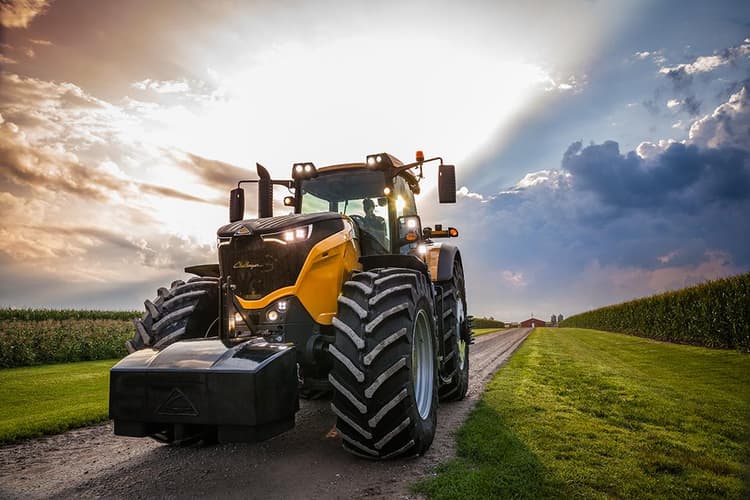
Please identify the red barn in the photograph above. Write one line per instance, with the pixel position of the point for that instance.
(532, 322)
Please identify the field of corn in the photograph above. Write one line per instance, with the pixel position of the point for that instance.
(44, 336)
(713, 314)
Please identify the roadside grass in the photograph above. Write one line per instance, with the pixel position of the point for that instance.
(583, 413)
(484, 331)
(53, 398)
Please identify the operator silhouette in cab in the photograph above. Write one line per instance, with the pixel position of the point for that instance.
(374, 224)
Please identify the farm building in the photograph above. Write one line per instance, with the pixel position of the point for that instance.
(532, 322)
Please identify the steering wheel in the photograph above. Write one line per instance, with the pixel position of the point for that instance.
(358, 219)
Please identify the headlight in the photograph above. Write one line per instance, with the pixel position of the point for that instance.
(293, 235)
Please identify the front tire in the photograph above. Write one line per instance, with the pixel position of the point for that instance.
(385, 371)
(185, 310)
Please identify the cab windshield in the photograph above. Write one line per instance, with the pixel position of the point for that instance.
(357, 194)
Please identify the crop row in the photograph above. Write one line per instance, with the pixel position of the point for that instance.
(713, 314)
(24, 343)
(63, 314)
(486, 323)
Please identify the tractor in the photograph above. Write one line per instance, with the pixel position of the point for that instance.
(347, 296)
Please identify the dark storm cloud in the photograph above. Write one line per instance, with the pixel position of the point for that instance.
(682, 177)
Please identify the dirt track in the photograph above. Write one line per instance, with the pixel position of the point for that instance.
(305, 462)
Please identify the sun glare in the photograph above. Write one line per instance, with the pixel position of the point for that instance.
(340, 100)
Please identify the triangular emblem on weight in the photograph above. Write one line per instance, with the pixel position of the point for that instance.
(177, 404)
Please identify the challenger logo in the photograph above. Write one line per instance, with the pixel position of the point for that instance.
(246, 264)
(177, 404)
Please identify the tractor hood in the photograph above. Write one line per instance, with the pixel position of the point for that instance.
(274, 224)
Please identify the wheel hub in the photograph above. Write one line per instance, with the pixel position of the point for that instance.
(422, 365)
(460, 316)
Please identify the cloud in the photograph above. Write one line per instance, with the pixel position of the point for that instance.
(214, 173)
(88, 202)
(464, 192)
(705, 64)
(20, 13)
(681, 75)
(727, 127)
(51, 168)
(514, 279)
(7, 60)
(38, 41)
(682, 177)
(549, 178)
(610, 225)
(162, 86)
(570, 84)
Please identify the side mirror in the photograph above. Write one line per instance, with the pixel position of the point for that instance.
(409, 229)
(236, 205)
(447, 184)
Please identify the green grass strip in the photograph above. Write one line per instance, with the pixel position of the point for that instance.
(583, 413)
(484, 331)
(48, 399)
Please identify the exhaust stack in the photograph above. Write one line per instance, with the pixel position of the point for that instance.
(265, 192)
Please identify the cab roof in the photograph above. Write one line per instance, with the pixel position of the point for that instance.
(341, 166)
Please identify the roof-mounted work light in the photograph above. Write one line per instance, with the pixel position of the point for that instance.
(304, 171)
(382, 161)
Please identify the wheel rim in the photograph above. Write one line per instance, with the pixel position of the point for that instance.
(422, 365)
(461, 342)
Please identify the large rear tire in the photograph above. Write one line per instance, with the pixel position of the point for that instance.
(455, 337)
(185, 310)
(385, 369)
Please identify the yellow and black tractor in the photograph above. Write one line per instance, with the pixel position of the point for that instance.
(346, 295)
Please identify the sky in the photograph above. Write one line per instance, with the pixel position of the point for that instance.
(602, 147)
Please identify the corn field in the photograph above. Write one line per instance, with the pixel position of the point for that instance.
(62, 314)
(43, 341)
(713, 314)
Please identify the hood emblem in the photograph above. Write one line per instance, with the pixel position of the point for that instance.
(246, 264)
(242, 230)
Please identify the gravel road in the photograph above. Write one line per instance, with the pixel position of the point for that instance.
(306, 462)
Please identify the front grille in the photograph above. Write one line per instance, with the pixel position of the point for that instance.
(258, 267)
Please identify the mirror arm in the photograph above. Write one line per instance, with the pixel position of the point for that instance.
(408, 166)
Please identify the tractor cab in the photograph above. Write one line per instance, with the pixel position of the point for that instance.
(373, 202)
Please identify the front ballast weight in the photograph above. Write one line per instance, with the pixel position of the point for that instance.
(205, 388)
